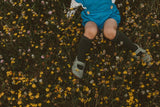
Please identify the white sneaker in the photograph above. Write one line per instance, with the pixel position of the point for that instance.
(75, 70)
(145, 56)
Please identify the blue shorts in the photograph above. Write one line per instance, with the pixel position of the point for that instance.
(101, 16)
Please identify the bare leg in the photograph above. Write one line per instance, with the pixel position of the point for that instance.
(83, 48)
(91, 30)
(111, 33)
(110, 28)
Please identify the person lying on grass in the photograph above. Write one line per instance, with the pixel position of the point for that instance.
(100, 15)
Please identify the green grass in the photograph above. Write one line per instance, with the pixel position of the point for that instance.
(37, 51)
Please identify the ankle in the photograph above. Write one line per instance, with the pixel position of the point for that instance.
(81, 59)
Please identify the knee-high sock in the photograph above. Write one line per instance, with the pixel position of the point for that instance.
(127, 43)
(83, 48)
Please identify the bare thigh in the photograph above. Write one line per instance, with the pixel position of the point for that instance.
(91, 30)
(109, 29)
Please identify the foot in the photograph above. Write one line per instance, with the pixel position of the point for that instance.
(145, 57)
(78, 72)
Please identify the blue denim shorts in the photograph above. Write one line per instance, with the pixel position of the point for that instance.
(101, 16)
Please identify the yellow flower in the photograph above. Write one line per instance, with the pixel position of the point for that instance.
(79, 24)
(143, 63)
(70, 77)
(1, 18)
(48, 95)
(8, 13)
(42, 15)
(77, 70)
(82, 100)
(37, 95)
(30, 93)
(12, 62)
(69, 88)
(9, 73)
(19, 95)
(52, 72)
(105, 98)
(133, 54)
(153, 93)
(13, 98)
(27, 105)
(128, 88)
(94, 84)
(29, 10)
(120, 28)
(119, 72)
(48, 68)
(90, 72)
(50, 48)
(71, 8)
(142, 86)
(86, 89)
(132, 90)
(24, 31)
(41, 37)
(147, 74)
(47, 89)
(49, 85)
(9, 98)
(69, 66)
(33, 85)
(127, 2)
(132, 59)
(130, 82)
(1, 94)
(107, 82)
(65, 94)
(27, 5)
(26, 17)
(157, 92)
(125, 72)
(14, 22)
(15, 3)
(31, 97)
(19, 102)
(149, 96)
(36, 47)
(117, 98)
(40, 104)
(41, 72)
(59, 78)
(77, 90)
(59, 96)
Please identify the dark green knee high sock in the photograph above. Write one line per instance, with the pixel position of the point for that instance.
(127, 43)
(83, 48)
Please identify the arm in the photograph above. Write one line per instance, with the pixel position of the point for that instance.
(113, 1)
(73, 4)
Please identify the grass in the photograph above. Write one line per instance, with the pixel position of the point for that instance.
(38, 45)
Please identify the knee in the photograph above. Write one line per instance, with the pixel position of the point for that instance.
(91, 32)
(110, 33)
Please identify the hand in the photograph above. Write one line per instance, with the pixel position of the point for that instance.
(70, 13)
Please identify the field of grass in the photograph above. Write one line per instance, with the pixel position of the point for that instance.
(38, 45)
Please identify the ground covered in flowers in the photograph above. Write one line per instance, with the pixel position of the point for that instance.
(38, 45)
